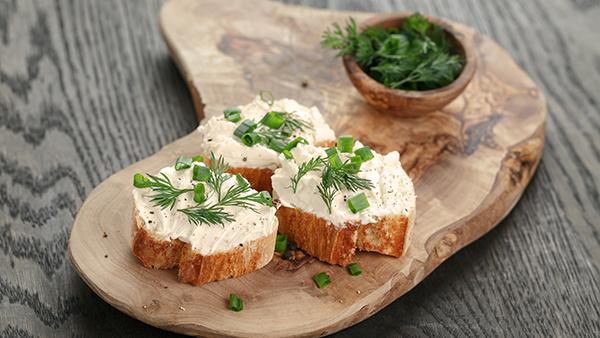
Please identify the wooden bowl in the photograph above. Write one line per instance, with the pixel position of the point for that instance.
(412, 103)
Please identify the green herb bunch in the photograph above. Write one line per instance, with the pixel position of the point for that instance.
(416, 57)
(215, 175)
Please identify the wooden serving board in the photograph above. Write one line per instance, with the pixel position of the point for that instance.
(470, 161)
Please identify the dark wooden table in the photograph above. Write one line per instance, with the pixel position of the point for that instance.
(87, 87)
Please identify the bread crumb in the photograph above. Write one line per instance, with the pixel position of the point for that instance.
(181, 308)
(358, 291)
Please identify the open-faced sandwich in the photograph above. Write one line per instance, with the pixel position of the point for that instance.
(252, 137)
(209, 223)
(339, 199)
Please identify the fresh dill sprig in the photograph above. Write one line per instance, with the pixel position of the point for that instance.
(218, 169)
(166, 193)
(211, 215)
(345, 177)
(293, 122)
(306, 167)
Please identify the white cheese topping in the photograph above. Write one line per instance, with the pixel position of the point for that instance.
(169, 224)
(393, 192)
(217, 133)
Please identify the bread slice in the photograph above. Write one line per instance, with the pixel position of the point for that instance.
(165, 238)
(195, 268)
(258, 162)
(335, 237)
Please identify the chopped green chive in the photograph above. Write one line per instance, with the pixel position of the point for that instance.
(183, 162)
(276, 145)
(355, 161)
(321, 279)
(281, 243)
(345, 143)
(335, 161)
(358, 203)
(330, 151)
(235, 303)
(199, 193)
(288, 154)
(265, 198)
(245, 127)
(293, 143)
(273, 119)
(365, 153)
(201, 173)
(233, 114)
(354, 269)
(286, 131)
(140, 181)
(198, 158)
(250, 139)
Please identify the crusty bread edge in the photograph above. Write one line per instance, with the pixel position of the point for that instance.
(195, 268)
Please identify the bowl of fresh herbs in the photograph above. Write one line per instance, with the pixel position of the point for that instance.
(405, 64)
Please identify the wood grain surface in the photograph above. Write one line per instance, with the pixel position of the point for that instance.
(87, 88)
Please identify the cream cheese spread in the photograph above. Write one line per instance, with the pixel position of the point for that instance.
(217, 133)
(169, 224)
(393, 192)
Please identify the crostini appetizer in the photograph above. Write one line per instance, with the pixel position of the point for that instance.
(339, 199)
(209, 223)
(252, 137)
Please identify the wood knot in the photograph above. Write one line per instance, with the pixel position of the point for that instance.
(444, 248)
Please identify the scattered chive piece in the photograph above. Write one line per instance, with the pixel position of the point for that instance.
(199, 193)
(198, 158)
(267, 97)
(358, 203)
(345, 143)
(276, 145)
(140, 181)
(281, 243)
(288, 154)
(321, 279)
(232, 114)
(356, 161)
(354, 269)
(183, 162)
(245, 127)
(201, 173)
(265, 198)
(365, 153)
(330, 151)
(235, 303)
(273, 119)
(293, 143)
(250, 139)
(287, 131)
(335, 161)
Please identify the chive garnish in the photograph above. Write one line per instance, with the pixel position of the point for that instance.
(250, 139)
(199, 193)
(335, 161)
(330, 151)
(232, 114)
(245, 127)
(235, 303)
(288, 154)
(354, 269)
(276, 145)
(355, 162)
(281, 243)
(321, 279)
(358, 203)
(200, 173)
(345, 143)
(140, 181)
(293, 143)
(267, 97)
(183, 162)
(198, 158)
(273, 119)
(364, 153)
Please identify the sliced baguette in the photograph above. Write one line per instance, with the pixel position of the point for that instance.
(195, 268)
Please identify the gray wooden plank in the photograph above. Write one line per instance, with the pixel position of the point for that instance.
(87, 87)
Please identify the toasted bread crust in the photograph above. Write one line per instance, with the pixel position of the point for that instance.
(195, 268)
(388, 236)
(318, 237)
(259, 178)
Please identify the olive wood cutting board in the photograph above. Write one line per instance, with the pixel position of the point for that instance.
(470, 161)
